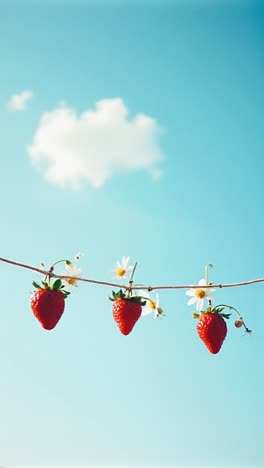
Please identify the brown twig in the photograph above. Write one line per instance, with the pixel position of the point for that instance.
(122, 286)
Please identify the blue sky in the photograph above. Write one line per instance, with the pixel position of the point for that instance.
(186, 189)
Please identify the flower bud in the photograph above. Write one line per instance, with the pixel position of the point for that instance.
(239, 323)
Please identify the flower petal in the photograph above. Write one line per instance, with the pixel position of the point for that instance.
(146, 311)
(190, 292)
(192, 300)
(199, 305)
(202, 282)
(125, 261)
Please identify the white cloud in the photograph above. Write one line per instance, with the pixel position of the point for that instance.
(18, 102)
(72, 150)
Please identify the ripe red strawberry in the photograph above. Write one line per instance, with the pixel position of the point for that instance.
(126, 310)
(212, 330)
(48, 303)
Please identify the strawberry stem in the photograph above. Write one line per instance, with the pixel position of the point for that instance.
(68, 262)
(209, 265)
(132, 274)
(238, 313)
(47, 277)
(131, 280)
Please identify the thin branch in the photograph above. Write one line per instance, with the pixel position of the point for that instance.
(128, 287)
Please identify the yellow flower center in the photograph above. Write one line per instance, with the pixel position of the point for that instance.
(71, 281)
(120, 272)
(200, 293)
(152, 304)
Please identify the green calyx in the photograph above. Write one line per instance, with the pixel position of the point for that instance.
(196, 315)
(56, 286)
(215, 310)
(219, 311)
(127, 296)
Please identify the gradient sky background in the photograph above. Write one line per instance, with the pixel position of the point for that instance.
(83, 394)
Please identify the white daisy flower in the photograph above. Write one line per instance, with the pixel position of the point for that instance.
(72, 271)
(152, 306)
(122, 268)
(199, 295)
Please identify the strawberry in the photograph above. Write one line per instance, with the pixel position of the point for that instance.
(212, 329)
(126, 310)
(48, 302)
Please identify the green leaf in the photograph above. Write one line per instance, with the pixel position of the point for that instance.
(120, 295)
(36, 285)
(65, 294)
(57, 284)
(196, 315)
(216, 310)
(226, 316)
